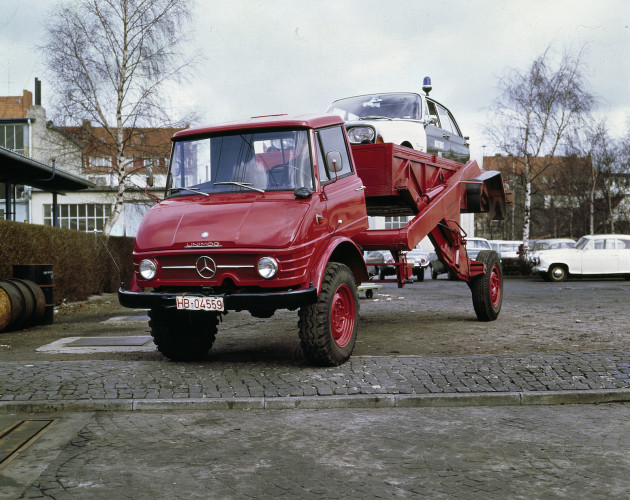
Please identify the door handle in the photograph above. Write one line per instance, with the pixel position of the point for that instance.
(360, 188)
(319, 218)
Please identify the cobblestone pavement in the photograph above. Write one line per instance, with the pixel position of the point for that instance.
(375, 427)
(361, 381)
(567, 451)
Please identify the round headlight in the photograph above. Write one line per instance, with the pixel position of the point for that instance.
(361, 135)
(148, 269)
(267, 267)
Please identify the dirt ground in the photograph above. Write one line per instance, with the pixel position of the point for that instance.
(423, 318)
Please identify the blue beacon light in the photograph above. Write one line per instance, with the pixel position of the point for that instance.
(426, 85)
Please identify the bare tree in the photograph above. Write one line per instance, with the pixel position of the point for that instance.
(608, 173)
(534, 112)
(109, 62)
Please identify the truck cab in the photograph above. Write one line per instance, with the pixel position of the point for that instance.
(253, 213)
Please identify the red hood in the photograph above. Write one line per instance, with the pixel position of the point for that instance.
(257, 222)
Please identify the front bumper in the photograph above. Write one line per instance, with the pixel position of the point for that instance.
(234, 302)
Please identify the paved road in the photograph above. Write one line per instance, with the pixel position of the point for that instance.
(572, 451)
(463, 416)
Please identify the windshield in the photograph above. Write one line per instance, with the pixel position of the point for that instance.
(481, 244)
(251, 161)
(582, 242)
(378, 106)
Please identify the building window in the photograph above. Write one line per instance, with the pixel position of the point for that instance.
(80, 217)
(101, 163)
(12, 137)
(396, 222)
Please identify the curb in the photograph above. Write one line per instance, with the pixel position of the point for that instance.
(324, 402)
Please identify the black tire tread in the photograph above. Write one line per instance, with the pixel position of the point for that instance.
(480, 288)
(183, 335)
(316, 338)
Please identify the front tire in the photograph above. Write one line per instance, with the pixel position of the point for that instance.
(183, 335)
(487, 290)
(557, 272)
(328, 328)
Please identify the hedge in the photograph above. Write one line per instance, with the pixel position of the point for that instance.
(81, 266)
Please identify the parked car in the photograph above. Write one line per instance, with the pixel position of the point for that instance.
(548, 244)
(507, 249)
(419, 259)
(380, 257)
(551, 243)
(404, 118)
(592, 255)
(474, 245)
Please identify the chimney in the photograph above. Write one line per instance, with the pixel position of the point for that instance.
(38, 92)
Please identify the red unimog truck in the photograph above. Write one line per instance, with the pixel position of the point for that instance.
(272, 213)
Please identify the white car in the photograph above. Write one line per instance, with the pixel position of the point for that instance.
(548, 244)
(403, 118)
(507, 249)
(593, 255)
(419, 259)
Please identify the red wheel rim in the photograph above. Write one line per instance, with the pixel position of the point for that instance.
(495, 287)
(342, 315)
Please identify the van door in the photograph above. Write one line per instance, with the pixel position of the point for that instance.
(437, 144)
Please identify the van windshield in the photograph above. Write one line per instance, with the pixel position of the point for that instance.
(250, 161)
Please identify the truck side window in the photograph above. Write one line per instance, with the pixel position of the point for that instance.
(332, 139)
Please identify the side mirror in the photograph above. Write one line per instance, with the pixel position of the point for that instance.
(430, 120)
(334, 162)
(149, 176)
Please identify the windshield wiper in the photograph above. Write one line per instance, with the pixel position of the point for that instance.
(247, 185)
(193, 190)
(375, 117)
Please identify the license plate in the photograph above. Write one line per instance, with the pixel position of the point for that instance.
(191, 303)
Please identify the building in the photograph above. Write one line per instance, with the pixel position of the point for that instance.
(564, 190)
(87, 152)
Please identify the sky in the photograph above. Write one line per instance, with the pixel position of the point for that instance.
(297, 56)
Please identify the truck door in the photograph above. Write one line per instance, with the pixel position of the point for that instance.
(343, 190)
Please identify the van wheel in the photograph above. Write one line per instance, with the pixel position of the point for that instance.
(487, 290)
(328, 328)
(183, 335)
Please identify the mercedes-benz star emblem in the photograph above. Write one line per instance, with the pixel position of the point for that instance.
(206, 267)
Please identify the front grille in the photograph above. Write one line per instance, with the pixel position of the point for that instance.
(239, 268)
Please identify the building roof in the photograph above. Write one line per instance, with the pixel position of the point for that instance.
(141, 142)
(19, 169)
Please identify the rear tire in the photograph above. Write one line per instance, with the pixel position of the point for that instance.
(420, 275)
(183, 335)
(328, 328)
(487, 290)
